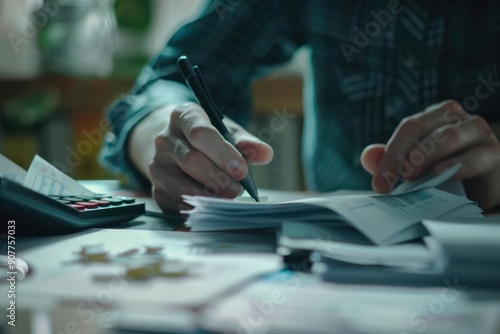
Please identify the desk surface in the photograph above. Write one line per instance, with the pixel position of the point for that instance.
(278, 302)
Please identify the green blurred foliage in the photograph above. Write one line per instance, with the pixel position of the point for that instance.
(134, 15)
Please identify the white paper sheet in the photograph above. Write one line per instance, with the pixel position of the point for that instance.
(426, 181)
(468, 243)
(384, 219)
(11, 171)
(58, 276)
(409, 255)
(324, 308)
(44, 178)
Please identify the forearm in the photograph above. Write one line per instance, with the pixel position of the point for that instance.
(141, 146)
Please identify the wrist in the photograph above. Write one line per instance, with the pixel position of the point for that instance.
(140, 146)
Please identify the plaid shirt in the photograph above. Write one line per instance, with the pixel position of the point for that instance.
(373, 63)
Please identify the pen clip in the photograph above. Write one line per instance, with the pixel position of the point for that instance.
(196, 70)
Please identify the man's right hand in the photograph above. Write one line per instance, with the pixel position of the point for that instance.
(182, 153)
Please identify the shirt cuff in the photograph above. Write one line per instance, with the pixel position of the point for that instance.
(125, 114)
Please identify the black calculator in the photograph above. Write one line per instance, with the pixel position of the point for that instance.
(38, 214)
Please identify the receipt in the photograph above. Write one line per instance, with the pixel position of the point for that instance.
(46, 179)
(426, 181)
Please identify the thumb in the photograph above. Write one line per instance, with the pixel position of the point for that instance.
(371, 156)
(253, 149)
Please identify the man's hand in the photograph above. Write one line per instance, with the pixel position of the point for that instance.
(187, 155)
(434, 140)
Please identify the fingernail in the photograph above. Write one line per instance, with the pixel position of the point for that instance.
(236, 169)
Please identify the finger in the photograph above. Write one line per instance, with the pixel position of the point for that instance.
(203, 136)
(474, 162)
(167, 204)
(195, 165)
(173, 182)
(448, 141)
(410, 129)
(199, 167)
(254, 150)
(370, 157)
(215, 181)
(168, 194)
(168, 189)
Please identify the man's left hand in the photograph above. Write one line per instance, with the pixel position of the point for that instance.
(434, 140)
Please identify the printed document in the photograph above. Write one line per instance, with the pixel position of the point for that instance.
(383, 219)
(42, 177)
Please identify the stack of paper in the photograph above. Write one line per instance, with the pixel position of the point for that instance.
(463, 253)
(350, 246)
(468, 248)
(383, 219)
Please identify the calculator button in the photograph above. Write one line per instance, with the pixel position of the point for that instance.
(73, 199)
(63, 201)
(87, 198)
(99, 196)
(127, 200)
(100, 202)
(88, 205)
(77, 206)
(114, 201)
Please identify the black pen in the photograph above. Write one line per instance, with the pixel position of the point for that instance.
(194, 80)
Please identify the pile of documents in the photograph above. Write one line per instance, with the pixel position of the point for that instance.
(382, 219)
(462, 253)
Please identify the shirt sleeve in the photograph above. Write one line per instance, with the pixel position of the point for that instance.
(233, 42)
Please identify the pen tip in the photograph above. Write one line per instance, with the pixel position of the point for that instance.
(256, 198)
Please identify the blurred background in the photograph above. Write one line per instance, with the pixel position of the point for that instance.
(63, 62)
